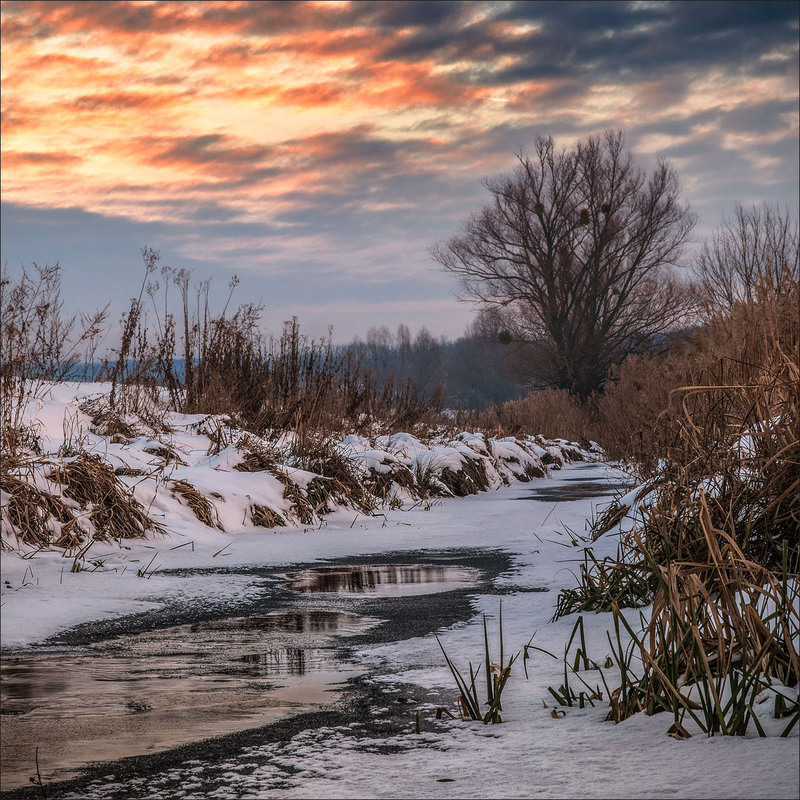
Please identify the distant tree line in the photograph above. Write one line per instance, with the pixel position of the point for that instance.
(472, 372)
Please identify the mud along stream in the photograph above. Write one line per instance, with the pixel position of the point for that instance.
(135, 694)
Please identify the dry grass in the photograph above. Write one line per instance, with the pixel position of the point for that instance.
(201, 506)
(37, 345)
(301, 507)
(343, 482)
(113, 510)
(383, 484)
(721, 631)
(258, 456)
(551, 413)
(40, 518)
(708, 383)
(165, 453)
(742, 612)
(265, 517)
(32, 513)
(723, 628)
(122, 426)
(736, 439)
(471, 478)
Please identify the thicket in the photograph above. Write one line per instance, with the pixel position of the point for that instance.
(175, 350)
(720, 406)
(713, 427)
(178, 350)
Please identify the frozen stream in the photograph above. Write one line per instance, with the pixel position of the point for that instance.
(359, 656)
(140, 693)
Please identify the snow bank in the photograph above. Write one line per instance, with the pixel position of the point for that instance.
(203, 466)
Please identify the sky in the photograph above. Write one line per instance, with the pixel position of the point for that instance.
(318, 150)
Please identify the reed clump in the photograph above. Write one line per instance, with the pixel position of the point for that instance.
(470, 478)
(715, 545)
(549, 412)
(496, 675)
(699, 395)
(720, 634)
(343, 481)
(264, 517)
(201, 506)
(38, 518)
(113, 510)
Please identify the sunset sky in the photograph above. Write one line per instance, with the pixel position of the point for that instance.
(319, 149)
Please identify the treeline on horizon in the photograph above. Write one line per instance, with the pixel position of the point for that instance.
(469, 373)
(204, 357)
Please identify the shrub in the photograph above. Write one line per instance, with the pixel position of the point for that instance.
(37, 345)
(550, 412)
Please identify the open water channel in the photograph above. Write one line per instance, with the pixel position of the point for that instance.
(153, 682)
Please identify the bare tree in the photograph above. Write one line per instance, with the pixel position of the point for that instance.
(757, 244)
(575, 251)
(426, 364)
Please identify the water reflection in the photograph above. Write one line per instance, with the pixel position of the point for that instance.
(152, 691)
(384, 579)
(330, 622)
(285, 661)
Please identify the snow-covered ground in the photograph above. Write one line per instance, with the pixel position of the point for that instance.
(534, 753)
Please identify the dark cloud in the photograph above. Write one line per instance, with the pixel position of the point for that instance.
(120, 101)
(33, 159)
(608, 39)
(767, 115)
(734, 15)
(218, 152)
(415, 13)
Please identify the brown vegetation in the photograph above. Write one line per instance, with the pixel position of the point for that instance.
(266, 385)
(113, 510)
(201, 506)
(549, 412)
(716, 547)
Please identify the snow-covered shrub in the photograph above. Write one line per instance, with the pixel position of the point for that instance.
(37, 346)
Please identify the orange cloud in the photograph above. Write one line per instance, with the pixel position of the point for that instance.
(141, 106)
(398, 84)
(312, 95)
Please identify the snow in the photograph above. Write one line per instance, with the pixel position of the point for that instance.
(531, 754)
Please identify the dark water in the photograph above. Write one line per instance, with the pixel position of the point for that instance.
(382, 579)
(573, 489)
